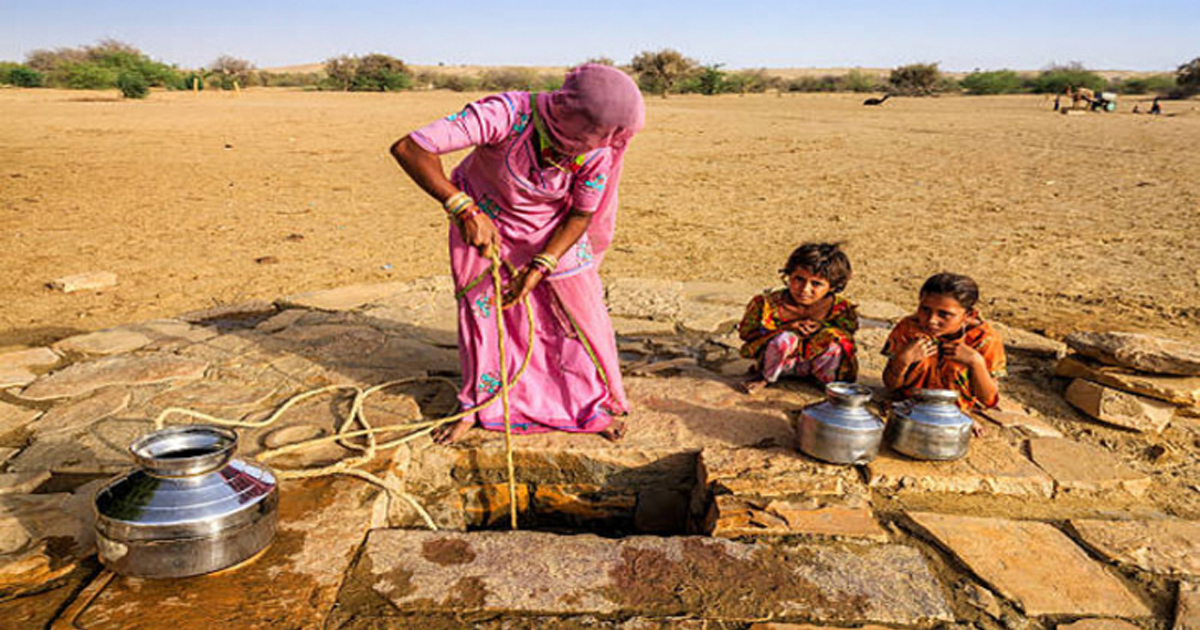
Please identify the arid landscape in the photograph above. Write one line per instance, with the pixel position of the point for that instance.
(1068, 222)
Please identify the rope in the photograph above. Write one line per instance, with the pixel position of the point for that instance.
(350, 466)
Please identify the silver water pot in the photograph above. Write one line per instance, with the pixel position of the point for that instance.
(931, 426)
(190, 509)
(841, 430)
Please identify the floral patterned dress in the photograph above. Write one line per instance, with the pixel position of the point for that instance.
(769, 336)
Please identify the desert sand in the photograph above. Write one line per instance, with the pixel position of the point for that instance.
(1068, 222)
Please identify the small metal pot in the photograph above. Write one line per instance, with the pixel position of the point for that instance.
(930, 427)
(841, 430)
(190, 509)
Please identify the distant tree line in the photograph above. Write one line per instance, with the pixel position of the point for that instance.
(113, 64)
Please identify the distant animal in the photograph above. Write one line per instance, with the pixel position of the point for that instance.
(877, 101)
(1156, 109)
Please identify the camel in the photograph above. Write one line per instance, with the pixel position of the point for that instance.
(1083, 94)
(877, 101)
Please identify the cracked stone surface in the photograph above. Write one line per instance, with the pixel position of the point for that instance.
(531, 572)
(1179, 390)
(1138, 351)
(1082, 468)
(1033, 564)
(1165, 547)
(72, 417)
(82, 378)
(1119, 408)
(992, 466)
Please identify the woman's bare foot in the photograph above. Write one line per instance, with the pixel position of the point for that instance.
(450, 433)
(615, 431)
(753, 385)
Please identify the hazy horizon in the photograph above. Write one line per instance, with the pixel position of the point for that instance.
(1144, 36)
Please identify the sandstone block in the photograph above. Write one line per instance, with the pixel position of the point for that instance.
(72, 417)
(85, 281)
(1138, 351)
(1165, 547)
(992, 466)
(1098, 624)
(82, 378)
(1020, 420)
(1021, 340)
(1119, 408)
(732, 517)
(1178, 390)
(1033, 564)
(14, 418)
(343, 298)
(1081, 468)
(524, 573)
(16, 376)
(584, 502)
(104, 342)
(1187, 607)
(773, 473)
(30, 358)
(488, 505)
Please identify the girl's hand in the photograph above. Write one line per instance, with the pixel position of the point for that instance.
(481, 233)
(526, 280)
(960, 352)
(807, 327)
(918, 350)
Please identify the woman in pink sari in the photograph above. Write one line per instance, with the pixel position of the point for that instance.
(541, 185)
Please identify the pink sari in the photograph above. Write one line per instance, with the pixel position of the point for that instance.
(573, 380)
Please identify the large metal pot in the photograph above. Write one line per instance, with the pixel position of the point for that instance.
(931, 426)
(841, 430)
(190, 509)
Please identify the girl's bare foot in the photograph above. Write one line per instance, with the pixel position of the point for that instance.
(450, 433)
(753, 385)
(615, 431)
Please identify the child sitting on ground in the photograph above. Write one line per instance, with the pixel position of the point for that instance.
(946, 345)
(805, 328)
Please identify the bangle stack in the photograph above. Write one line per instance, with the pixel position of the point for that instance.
(460, 205)
(545, 263)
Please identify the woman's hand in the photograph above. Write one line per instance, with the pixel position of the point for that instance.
(480, 232)
(916, 351)
(526, 280)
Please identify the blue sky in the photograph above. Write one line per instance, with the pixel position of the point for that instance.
(962, 35)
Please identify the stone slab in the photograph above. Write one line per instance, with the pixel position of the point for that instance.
(1019, 419)
(292, 585)
(1033, 564)
(72, 417)
(1098, 624)
(632, 327)
(1082, 468)
(1021, 340)
(30, 358)
(425, 311)
(21, 482)
(85, 281)
(734, 517)
(644, 298)
(82, 378)
(16, 377)
(1122, 409)
(102, 448)
(1187, 607)
(15, 418)
(773, 473)
(1138, 351)
(1179, 390)
(992, 466)
(343, 298)
(706, 317)
(104, 342)
(539, 573)
(1165, 547)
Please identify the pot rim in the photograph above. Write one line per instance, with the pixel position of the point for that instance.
(151, 451)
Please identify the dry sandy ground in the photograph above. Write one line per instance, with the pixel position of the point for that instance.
(1087, 221)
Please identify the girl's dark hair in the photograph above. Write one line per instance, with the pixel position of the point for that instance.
(823, 259)
(959, 287)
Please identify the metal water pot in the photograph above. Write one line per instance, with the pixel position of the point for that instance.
(841, 430)
(190, 509)
(931, 426)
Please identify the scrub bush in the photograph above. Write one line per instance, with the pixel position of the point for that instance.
(992, 82)
(1056, 79)
(917, 79)
(133, 85)
(661, 70)
(21, 76)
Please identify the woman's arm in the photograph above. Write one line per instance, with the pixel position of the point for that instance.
(426, 170)
(564, 237)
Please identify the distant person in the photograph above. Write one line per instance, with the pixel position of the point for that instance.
(1155, 108)
(806, 328)
(1137, 109)
(541, 186)
(946, 345)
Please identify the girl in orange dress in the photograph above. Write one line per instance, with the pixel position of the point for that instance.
(805, 328)
(946, 345)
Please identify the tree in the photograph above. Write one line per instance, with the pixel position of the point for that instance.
(341, 71)
(711, 79)
(917, 79)
(660, 71)
(378, 73)
(1188, 77)
(133, 85)
(992, 82)
(603, 61)
(231, 69)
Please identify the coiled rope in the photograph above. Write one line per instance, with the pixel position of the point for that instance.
(351, 466)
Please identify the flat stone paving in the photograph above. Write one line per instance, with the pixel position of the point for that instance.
(541, 573)
(1165, 547)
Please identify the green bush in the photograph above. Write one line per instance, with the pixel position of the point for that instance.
(992, 82)
(1156, 84)
(289, 79)
(133, 85)
(21, 76)
(1056, 79)
(98, 66)
(370, 73)
(858, 81)
(1188, 78)
(504, 79)
(660, 70)
(87, 76)
(917, 79)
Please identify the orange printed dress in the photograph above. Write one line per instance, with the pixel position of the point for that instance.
(937, 372)
(828, 355)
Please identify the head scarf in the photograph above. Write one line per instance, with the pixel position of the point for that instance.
(597, 106)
